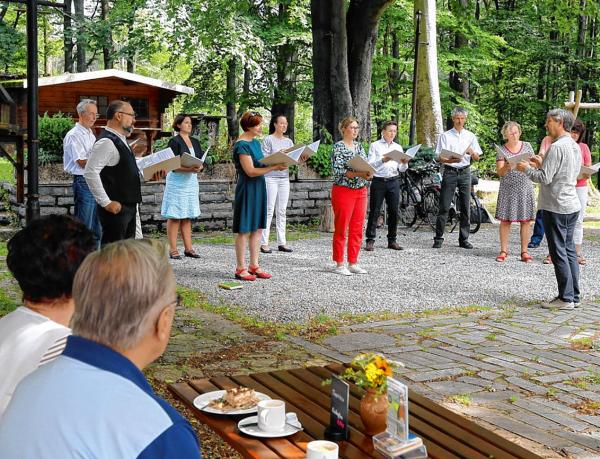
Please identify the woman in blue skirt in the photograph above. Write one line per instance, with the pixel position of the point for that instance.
(181, 201)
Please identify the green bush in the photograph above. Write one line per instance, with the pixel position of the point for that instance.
(52, 131)
(320, 162)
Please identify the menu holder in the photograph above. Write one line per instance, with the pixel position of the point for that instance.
(337, 429)
(397, 439)
(359, 164)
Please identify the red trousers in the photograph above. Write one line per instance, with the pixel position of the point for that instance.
(349, 209)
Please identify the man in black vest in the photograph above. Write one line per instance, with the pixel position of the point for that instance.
(113, 176)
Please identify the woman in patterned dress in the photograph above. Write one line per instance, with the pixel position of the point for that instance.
(516, 198)
(348, 199)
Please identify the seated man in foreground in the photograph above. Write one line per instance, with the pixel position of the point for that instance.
(94, 401)
(43, 258)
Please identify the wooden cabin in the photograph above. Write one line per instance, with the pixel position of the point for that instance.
(148, 96)
(8, 113)
(11, 139)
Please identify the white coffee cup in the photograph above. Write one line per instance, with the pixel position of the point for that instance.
(271, 415)
(322, 449)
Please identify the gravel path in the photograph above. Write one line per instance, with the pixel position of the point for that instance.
(417, 278)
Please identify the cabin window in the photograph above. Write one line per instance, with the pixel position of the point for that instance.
(140, 107)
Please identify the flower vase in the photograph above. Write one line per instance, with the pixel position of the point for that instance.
(373, 412)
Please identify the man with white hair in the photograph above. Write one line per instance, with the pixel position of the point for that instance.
(557, 175)
(93, 400)
(77, 146)
(457, 174)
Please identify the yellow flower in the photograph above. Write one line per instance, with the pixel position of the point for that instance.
(372, 373)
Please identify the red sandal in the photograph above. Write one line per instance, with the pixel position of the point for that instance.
(247, 277)
(526, 258)
(501, 256)
(260, 274)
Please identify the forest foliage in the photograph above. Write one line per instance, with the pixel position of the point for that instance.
(501, 59)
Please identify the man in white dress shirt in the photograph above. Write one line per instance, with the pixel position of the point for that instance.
(457, 174)
(77, 146)
(385, 185)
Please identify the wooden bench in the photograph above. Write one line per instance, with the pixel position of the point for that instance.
(445, 433)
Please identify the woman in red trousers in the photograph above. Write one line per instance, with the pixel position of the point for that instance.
(348, 199)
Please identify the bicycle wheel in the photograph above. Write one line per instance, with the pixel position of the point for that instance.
(407, 214)
(476, 214)
(431, 206)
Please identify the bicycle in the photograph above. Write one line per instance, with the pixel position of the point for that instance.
(418, 196)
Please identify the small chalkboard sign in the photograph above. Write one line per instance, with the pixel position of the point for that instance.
(338, 422)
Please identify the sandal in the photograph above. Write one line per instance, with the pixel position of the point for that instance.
(548, 260)
(246, 277)
(526, 258)
(174, 255)
(191, 253)
(501, 256)
(581, 260)
(260, 274)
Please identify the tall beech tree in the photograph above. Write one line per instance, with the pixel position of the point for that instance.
(343, 45)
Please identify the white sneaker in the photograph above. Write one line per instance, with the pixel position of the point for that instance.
(355, 269)
(559, 304)
(341, 270)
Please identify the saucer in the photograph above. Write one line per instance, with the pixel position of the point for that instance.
(249, 427)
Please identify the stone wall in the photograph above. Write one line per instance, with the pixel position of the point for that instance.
(307, 198)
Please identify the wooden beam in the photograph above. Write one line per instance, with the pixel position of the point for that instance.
(583, 106)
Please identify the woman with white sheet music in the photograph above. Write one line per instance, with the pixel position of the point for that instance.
(278, 184)
(181, 200)
(516, 198)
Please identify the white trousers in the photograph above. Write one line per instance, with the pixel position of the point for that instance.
(278, 193)
(582, 194)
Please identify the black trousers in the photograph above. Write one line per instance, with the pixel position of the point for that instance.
(454, 178)
(559, 235)
(119, 226)
(390, 191)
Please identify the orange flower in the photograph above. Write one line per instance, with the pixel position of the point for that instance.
(383, 364)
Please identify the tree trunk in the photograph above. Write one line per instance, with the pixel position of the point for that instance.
(107, 47)
(321, 63)
(230, 101)
(81, 44)
(284, 95)
(429, 107)
(342, 68)
(68, 37)
(458, 79)
(361, 28)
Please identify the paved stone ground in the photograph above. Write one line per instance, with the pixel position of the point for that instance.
(517, 370)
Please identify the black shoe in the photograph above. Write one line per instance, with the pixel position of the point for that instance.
(191, 254)
(465, 245)
(265, 250)
(437, 243)
(174, 255)
(283, 248)
(370, 246)
(394, 246)
(533, 245)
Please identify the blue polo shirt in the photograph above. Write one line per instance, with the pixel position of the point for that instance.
(92, 402)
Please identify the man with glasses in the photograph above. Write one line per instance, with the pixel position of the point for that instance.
(77, 146)
(113, 176)
(93, 400)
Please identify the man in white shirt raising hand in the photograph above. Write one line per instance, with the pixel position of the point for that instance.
(457, 174)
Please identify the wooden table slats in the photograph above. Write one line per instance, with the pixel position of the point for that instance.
(445, 433)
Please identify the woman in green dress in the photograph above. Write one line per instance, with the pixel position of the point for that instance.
(250, 207)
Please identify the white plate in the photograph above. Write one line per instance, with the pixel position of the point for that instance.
(201, 402)
(291, 427)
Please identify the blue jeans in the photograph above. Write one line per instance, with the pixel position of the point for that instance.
(538, 229)
(559, 235)
(86, 207)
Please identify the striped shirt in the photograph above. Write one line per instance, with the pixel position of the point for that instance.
(27, 340)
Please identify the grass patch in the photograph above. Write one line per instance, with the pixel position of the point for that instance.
(491, 337)
(462, 399)
(551, 392)
(583, 343)
(513, 399)
(588, 407)
(293, 233)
